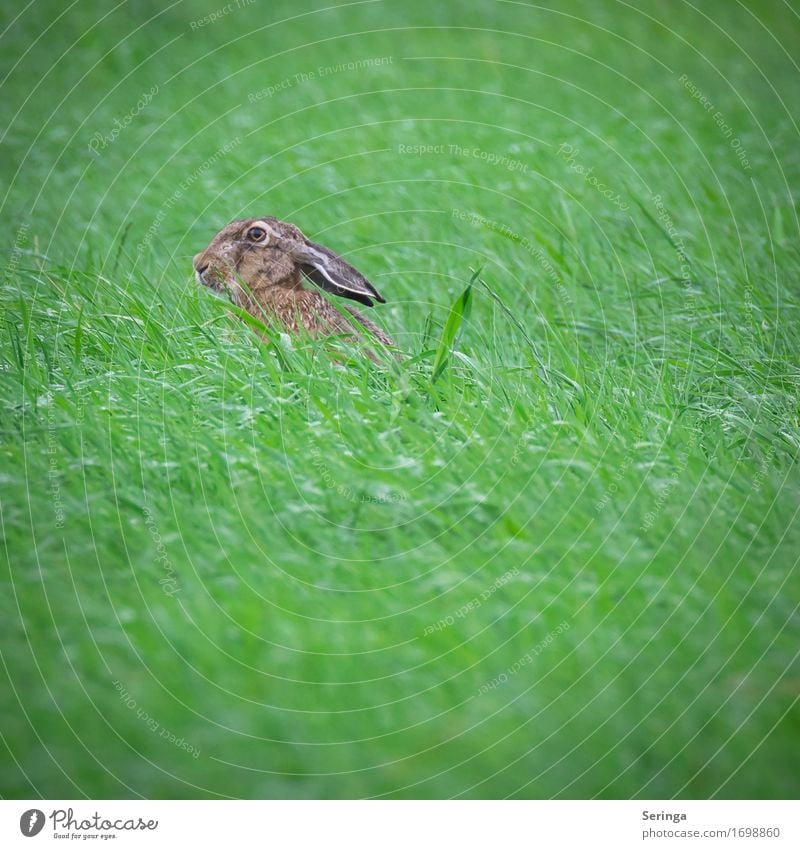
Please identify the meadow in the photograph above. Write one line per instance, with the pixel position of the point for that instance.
(551, 551)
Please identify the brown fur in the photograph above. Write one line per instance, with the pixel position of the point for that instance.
(280, 295)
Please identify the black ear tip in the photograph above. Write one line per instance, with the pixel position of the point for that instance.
(374, 293)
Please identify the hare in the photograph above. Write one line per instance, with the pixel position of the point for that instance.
(275, 262)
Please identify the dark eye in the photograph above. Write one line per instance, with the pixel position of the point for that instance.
(256, 234)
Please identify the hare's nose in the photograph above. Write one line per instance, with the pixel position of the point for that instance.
(199, 263)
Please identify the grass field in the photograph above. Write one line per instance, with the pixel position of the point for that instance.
(555, 558)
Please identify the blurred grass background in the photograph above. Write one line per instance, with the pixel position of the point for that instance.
(565, 568)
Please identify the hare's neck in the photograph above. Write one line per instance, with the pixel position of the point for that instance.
(263, 289)
(289, 301)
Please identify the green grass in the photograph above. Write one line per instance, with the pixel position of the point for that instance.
(550, 553)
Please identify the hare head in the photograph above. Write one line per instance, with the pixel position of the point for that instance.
(263, 253)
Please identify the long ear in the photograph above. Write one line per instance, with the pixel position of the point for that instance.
(332, 273)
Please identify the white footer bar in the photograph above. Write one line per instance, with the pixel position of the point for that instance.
(401, 824)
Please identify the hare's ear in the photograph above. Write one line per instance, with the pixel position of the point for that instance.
(332, 273)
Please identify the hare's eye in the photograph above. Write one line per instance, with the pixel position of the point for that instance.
(256, 234)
